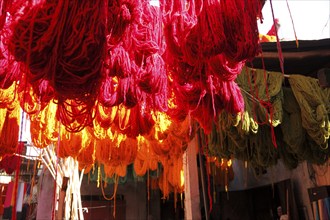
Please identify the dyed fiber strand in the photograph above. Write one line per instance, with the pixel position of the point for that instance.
(270, 106)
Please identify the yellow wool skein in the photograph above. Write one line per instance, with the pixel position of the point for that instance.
(314, 106)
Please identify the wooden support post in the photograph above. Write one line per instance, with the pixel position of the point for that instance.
(46, 196)
(202, 177)
(191, 184)
(61, 199)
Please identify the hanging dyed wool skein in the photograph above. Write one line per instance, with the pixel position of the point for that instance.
(134, 76)
(205, 54)
(10, 69)
(63, 42)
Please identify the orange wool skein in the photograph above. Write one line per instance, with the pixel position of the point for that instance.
(146, 158)
(105, 116)
(37, 134)
(8, 96)
(107, 149)
(174, 173)
(9, 126)
(70, 143)
(28, 99)
(86, 156)
(119, 170)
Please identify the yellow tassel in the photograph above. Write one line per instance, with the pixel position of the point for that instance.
(98, 176)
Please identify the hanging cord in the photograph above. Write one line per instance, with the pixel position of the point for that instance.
(18, 165)
(113, 197)
(294, 29)
(16, 185)
(214, 174)
(278, 44)
(209, 186)
(56, 169)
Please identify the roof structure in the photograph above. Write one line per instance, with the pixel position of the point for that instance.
(306, 59)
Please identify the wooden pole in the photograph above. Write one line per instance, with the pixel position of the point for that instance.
(46, 196)
(202, 176)
(191, 184)
(60, 211)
